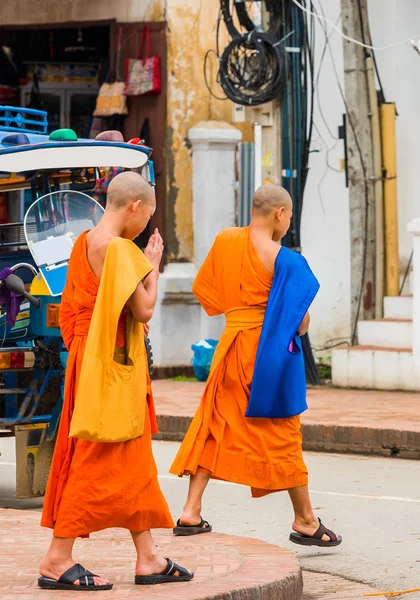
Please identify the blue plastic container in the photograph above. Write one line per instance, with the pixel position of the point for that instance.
(202, 359)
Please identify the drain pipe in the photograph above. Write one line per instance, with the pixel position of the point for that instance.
(377, 189)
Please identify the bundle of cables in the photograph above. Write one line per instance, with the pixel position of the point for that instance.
(273, 8)
(253, 69)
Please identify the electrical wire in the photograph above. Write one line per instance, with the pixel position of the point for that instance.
(321, 62)
(217, 54)
(365, 28)
(350, 39)
(406, 272)
(253, 69)
(333, 343)
(365, 185)
(228, 19)
(328, 149)
(208, 86)
(378, 77)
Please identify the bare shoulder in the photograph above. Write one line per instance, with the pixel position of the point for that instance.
(267, 251)
(96, 251)
(269, 255)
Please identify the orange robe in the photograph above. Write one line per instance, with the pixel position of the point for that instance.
(265, 454)
(92, 485)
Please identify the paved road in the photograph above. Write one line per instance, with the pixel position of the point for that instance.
(373, 502)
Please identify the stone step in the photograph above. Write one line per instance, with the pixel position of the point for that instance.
(398, 307)
(225, 566)
(373, 367)
(386, 333)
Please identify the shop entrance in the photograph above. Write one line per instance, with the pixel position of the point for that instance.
(60, 68)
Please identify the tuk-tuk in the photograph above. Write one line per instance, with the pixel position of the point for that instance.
(60, 171)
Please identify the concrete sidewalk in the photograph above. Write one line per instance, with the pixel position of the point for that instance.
(226, 567)
(353, 421)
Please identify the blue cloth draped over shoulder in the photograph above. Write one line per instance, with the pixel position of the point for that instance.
(279, 383)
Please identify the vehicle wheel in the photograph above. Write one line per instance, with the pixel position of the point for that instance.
(149, 356)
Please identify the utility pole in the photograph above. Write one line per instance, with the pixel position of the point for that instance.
(359, 165)
(267, 122)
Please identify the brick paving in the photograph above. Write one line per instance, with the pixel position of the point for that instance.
(225, 567)
(338, 420)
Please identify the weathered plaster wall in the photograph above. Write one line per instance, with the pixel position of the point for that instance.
(191, 32)
(39, 12)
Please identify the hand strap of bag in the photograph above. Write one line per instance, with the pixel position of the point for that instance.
(145, 37)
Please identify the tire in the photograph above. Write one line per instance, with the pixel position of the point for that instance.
(149, 355)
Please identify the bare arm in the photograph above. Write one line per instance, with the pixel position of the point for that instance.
(304, 326)
(142, 302)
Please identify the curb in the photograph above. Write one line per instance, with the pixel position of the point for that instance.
(226, 567)
(325, 438)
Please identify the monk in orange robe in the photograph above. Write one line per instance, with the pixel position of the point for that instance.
(97, 485)
(221, 443)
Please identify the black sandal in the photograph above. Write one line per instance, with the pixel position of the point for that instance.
(167, 575)
(316, 538)
(67, 581)
(202, 527)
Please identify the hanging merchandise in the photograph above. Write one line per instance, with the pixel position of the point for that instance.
(111, 99)
(143, 74)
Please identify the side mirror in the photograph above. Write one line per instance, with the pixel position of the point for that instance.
(16, 285)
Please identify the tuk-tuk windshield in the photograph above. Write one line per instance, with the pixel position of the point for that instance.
(54, 222)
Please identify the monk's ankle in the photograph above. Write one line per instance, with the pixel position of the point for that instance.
(150, 565)
(191, 517)
(55, 566)
(305, 522)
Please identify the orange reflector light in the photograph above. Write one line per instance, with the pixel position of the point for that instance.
(5, 360)
(53, 315)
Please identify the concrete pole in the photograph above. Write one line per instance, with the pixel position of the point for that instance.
(214, 145)
(360, 167)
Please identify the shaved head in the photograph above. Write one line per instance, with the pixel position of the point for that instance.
(128, 187)
(270, 197)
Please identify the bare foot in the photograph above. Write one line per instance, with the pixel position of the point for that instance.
(54, 570)
(155, 566)
(191, 518)
(308, 527)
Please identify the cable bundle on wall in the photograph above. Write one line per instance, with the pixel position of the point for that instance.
(253, 67)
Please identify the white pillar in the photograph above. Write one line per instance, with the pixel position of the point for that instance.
(414, 228)
(214, 145)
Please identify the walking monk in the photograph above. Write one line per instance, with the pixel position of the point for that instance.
(94, 485)
(261, 450)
